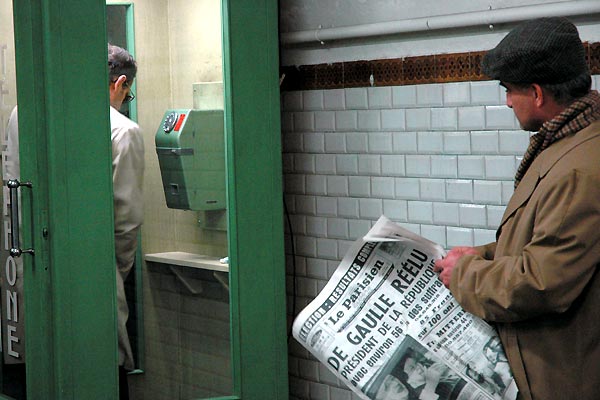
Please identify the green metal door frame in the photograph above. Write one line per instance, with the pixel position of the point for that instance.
(255, 198)
(67, 217)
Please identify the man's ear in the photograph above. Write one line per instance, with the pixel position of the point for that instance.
(538, 94)
(120, 81)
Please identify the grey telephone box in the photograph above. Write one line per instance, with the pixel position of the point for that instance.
(191, 153)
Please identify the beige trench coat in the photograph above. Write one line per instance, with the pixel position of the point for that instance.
(539, 283)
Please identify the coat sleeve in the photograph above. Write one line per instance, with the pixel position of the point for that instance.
(128, 169)
(552, 269)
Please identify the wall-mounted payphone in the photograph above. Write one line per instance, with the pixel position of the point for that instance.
(191, 154)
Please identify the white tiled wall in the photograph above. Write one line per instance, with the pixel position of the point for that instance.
(439, 159)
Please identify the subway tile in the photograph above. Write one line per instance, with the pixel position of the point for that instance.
(307, 287)
(358, 228)
(324, 164)
(420, 212)
(347, 207)
(325, 206)
(369, 164)
(356, 99)
(287, 163)
(344, 121)
(470, 118)
(346, 164)
(306, 205)
(327, 248)
(459, 237)
(414, 228)
(382, 187)
(290, 202)
(494, 216)
(418, 165)
(304, 163)
(344, 246)
(325, 121)
(404, 96)
(340, 394)
(316, 184)
(312, 100)
(485, 92)
(485, 142)
(337, 228)
(379, 97)
(445, 214)
(393, 119)
(508, 189)
(444, 166)
(405, 142)
(444, 118)
(316, 268)
(298, 223)
(430, 95)
(304, 121)
(457, 143)
(314, 142)
(460, 190)
(337, 185)
(306, 246)
(357, 142)
(369, 120)
(499, 167)
(334, 99)
(335, 142)
(457, 94)
(359, 186)
(499, 117)
(392, 165)
(471, 167)
(380, 142)
(430, 142)
(292, 143)
(418, 119)
(292, 101)
(436, 234)
(295, 183)
(513, 142)
(407, 188)
(370, 208)
(432, 189)
(316, 226)
(487, 192)
(483, 236)
(395, 209)
(318, 391)
(473, 215)
(326, 376)
(287, 121)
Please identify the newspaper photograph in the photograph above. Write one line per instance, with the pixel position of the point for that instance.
(388, 328)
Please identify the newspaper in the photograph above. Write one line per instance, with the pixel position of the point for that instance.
(387, 327)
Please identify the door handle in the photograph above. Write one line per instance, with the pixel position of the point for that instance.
(13, 185)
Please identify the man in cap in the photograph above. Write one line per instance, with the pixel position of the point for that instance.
(539, 282)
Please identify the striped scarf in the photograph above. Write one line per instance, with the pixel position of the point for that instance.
(581, 113)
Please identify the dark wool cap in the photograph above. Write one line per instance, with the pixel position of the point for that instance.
(545, 50)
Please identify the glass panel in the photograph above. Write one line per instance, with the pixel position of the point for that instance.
(186, 326)
(11, 273)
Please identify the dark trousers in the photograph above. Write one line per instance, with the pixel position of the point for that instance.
(123, 384)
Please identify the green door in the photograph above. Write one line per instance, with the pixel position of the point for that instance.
(56, 58)
(53, 64)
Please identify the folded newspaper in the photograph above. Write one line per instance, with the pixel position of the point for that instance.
(387, 327)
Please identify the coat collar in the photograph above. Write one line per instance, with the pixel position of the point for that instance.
(543, 164)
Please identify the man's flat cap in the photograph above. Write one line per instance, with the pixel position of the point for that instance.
(545, 50)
